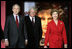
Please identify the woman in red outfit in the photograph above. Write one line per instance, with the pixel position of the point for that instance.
(56, 33)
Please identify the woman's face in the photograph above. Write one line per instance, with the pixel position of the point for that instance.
(55, 15)
(45, 19)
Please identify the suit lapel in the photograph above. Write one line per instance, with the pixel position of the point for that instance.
(19, 20)
(35, 20)
(56, 27)
(13, 19)
(30, 23)
(29, 20)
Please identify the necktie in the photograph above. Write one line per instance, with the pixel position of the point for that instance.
(17, 22)
(33, 21)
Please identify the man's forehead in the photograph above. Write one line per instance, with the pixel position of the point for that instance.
(16, 6)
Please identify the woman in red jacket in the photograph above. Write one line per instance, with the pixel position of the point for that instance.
(56, 33)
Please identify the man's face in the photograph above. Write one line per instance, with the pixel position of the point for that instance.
(16, 9)
(32, 12)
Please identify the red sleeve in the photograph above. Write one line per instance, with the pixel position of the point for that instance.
(64, 34)
(47, 35)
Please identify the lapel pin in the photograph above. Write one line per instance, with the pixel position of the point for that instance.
(60, 23)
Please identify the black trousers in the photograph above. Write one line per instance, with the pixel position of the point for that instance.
(18, 44)
(33, 44)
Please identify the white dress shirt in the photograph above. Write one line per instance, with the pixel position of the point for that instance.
(31, 18)
(17, 17)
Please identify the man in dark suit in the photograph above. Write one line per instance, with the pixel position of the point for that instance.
(34, 29)
(13, 31)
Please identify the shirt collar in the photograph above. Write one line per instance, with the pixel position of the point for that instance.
(31, 17)
(14, 15)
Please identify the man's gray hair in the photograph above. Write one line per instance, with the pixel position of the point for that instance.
(34, 8)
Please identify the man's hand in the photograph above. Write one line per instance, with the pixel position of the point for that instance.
(26, 42)
(65, 45)
(3, 40)
(6, 43)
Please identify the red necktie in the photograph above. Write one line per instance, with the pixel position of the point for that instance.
(17, 22)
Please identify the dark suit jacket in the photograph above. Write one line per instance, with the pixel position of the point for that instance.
(12, 33)
(34, 32)
(1, 34)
